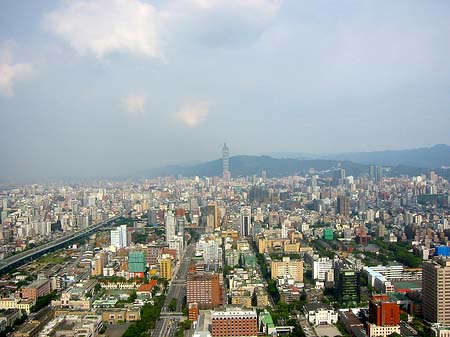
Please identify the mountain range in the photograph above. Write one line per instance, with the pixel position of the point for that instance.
(404, 162)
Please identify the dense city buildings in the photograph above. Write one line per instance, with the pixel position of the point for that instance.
(236, 256)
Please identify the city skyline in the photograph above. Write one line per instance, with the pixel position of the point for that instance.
(83, 92)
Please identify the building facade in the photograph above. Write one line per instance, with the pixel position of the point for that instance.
(436, 290)
(234, 323)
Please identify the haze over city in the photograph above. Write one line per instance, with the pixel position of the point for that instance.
(103, 88)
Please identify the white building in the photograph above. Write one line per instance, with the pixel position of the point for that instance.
(322, 268)
(320, 314)
(170, 226)
(374, 330)
(119, 237)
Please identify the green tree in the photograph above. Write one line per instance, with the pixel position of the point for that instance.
(173, 304)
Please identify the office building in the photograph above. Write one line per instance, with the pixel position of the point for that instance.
(383, 312)
(97, 264)
(212, 217)
(170, 225)
(165, 267)
(347, 285)
(204, 289)
(246, 221)
(375, 173)
(342, 206)
(234, 322)
(119, 237)
(136, 264)
(36, 289)
(287, 268)
(323, 269)
(436, 290)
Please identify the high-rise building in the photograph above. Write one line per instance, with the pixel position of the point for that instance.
(342, 176)
(323, 269)
(436, 290)
(375, 173)
(119, 237)
(97, 264)
(234, 322)
(246, 221)
(165, 267)
(347, 285)
(287, 268)
(170, 226)
(226, 162)
(205, 289)
(314, 182)
(342, 206)
(211, 218)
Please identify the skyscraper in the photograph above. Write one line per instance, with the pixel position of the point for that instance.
(342, 205)
(436, 290)
(347, 287)
(170, 226)
(246, 221)
(211, 219)
(375, 173)
(226, 162)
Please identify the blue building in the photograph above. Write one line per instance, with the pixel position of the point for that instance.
(442, 251)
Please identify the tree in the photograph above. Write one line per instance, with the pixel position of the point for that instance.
(173, 304)
(394, 334)
(132, 297)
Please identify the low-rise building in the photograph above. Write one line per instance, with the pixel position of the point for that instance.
(320, 313)
(36, 289)
(116, 315)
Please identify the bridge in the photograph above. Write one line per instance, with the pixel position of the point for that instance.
(29, 255)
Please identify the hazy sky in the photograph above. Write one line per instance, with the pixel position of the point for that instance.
(107, 87)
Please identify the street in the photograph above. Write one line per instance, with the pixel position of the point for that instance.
(168, 321)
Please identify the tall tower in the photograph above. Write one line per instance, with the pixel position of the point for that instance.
(436, 290)
(246, 221)
(226, 162)
(170, 226)
(211, 219)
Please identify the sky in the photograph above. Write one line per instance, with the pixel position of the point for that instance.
(100, 88)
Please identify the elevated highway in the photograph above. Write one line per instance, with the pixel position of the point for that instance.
(29, 255)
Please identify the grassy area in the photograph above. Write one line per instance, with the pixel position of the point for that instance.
(54, 259)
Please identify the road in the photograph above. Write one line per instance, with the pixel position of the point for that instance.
(167, 324)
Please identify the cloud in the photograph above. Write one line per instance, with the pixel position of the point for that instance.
(11, 72)
(221, 23)
(102, 27)
(193, 114)
(134, 104)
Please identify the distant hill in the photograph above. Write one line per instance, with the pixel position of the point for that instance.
(429, 157)
(404, 162)
(275, 167)
(253, 165)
